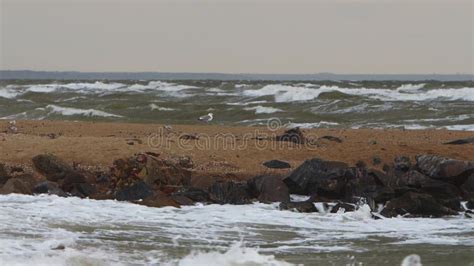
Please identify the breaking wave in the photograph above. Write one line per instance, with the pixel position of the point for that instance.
(284, 93)
(55, 230)
(68, 111)
(263, 110)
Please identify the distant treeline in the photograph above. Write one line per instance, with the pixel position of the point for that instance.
(64, 75)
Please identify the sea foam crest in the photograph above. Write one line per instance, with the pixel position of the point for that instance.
(237, 254)
(407, 92)
(263, 109)
(68, 111)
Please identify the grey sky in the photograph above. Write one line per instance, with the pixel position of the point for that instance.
(239, 36)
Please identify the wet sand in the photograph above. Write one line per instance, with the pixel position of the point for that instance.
(222, 150)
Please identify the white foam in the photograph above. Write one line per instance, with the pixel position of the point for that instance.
(246, 103)
(159, 108)
(134, 234)
(410, 87)
(8, 93)
(263, 110)
(236, 255)
(284, 93)
(408, 92)
(460, 127)
(312, 125)
(69, 111)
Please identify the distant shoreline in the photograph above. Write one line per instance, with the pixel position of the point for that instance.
(73, 75)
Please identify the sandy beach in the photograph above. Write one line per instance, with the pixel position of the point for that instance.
(240, 152)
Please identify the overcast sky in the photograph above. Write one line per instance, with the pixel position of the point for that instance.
(378, 36)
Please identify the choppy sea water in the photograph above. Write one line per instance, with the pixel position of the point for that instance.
(49, 230)
(373, 104)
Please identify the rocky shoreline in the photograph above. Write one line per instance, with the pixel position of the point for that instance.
(429, 186)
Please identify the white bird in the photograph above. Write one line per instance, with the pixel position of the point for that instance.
(206, 118)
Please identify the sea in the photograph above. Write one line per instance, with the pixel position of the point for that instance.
(50, 230)
(311, 104)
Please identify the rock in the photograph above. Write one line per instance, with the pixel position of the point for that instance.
(315, 176)
(342, 205)
(182, 200)
(228, 192)
(417, 205)
(52, 167)
(151, 170)
(3, 174)
(294, 135)
(268, 189)
(460, 141)
(303, 206)
(470, 205)
(189, 137)
(448, 170)
(137, 191)
(165, 172)
(85, 189)
(185, 162)
(453, 204)
(17, 185)
(468, 186)
(376, 160)
(159, 201)
(332, 138)
(195, 194)
(402, 163)
(276, 164)
(48, 187)
(16, 169)
(71, 179)
(386, 168)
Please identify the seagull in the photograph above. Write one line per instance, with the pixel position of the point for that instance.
(206, 118)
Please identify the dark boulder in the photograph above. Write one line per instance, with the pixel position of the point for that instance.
(52, 167)
(468, 187)
(16, 185)
(470, 205)
(294, 135)
(346, 207)
(48, 187)
(228, 192)
(276, 164)
(324, 178)
(332, 138)
(268, 189)
(137, 191)
(303, 206)
(376, 160)
(195, 194)
(402, 163)
(4, 176)
(460, 141)
(416, 205)
(158, 201)
(442, 168)
(84, 189)
(71, 179)
(162, 172)
(182, 200)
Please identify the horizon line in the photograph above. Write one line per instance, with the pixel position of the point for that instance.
(241, 73)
